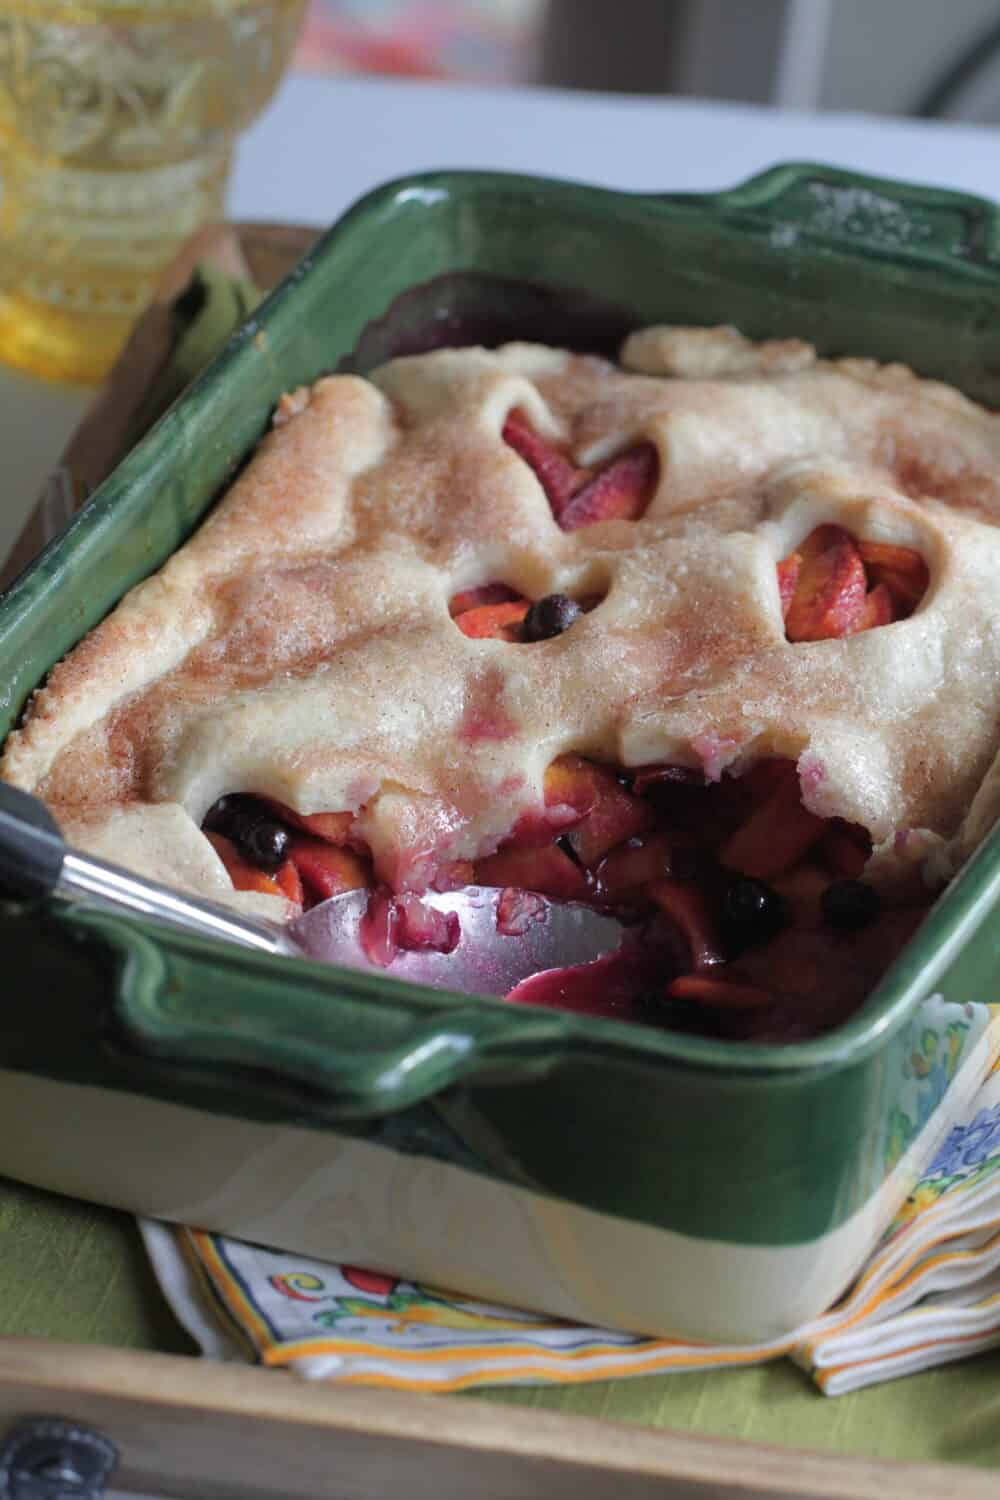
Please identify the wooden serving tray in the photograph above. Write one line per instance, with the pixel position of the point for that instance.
(195, 1430)
(189, 1428)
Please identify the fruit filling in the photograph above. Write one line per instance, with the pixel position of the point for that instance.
(833, 585)
(617, 491)
(745, 915)
(495, 612)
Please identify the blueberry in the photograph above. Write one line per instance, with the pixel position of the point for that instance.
(549, 617)
(752, 912)
(258, 836)
(217, 814)
(264, 841)
(850, 904)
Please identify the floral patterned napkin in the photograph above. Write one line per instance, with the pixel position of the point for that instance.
(929, 1293)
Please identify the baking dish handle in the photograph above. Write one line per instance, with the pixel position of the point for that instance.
(345, 1046)
(797, 204)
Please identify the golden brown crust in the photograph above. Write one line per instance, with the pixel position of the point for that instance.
(300, 645)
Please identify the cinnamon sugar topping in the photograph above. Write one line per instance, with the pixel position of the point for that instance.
(300, 645)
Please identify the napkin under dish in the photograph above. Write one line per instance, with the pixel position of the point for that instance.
(929, 1293)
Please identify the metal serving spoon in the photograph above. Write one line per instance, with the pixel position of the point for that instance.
(36, 861)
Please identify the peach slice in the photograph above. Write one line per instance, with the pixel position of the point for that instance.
(616, 816)
(620, 492)
(244, 875)
(486, 593)
(325, 869)
(632, 865)
(558, 476)
(902, 571)
(499, 622)
(334, 827)
(548, 871)
(686, 906)
(569, 794)
(906, 592)
(880, 555)
(880, 609)
(725, 993)
(289, 883)
(589, 798)
(774, 837)
(829, 597)
(570, 782)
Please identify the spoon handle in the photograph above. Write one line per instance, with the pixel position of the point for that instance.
(35, 861)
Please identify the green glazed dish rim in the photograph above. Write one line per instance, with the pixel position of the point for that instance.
(936, 233)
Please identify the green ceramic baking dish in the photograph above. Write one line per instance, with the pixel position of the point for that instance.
(620, 1174)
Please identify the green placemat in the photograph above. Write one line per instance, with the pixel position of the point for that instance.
(76, 1271)
(951, 1414)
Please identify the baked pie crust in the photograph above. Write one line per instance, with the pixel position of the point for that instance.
(300, 645)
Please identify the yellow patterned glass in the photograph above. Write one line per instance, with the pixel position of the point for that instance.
(117, 123)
